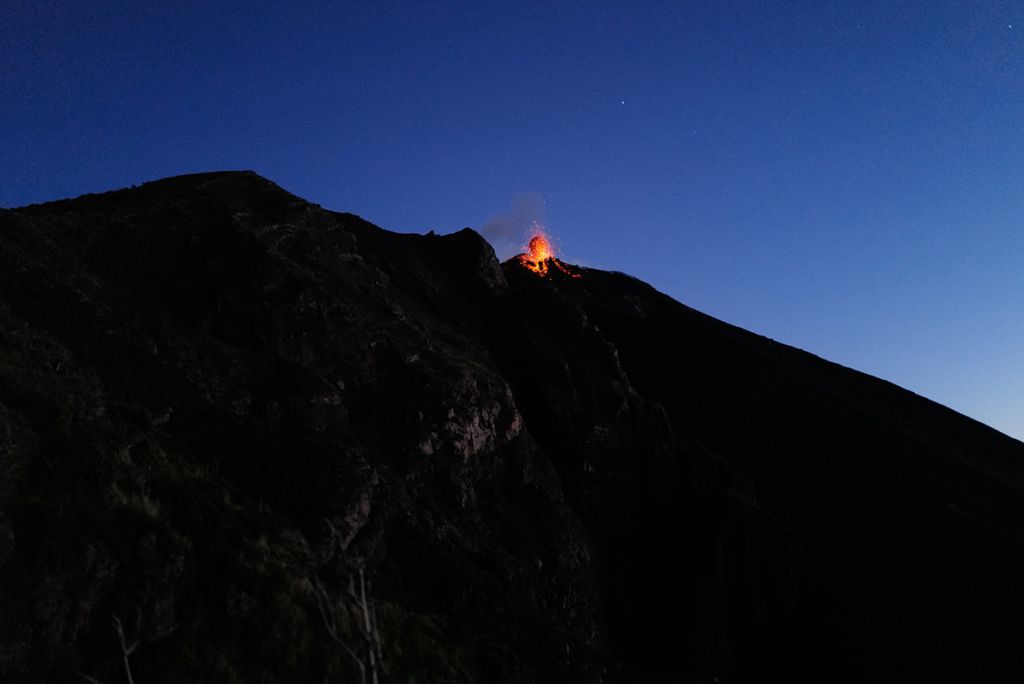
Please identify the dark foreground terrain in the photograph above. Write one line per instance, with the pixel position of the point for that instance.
(279, 444)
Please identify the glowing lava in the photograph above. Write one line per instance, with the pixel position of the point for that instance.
(540, 248)
(540, 255)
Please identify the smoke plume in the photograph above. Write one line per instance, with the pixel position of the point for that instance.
(507, 232)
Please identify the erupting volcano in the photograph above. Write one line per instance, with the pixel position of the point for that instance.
(540, 254)
(559, 479)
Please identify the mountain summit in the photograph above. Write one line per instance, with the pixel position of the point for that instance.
(246, 439)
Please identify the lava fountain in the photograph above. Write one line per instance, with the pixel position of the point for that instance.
(540, 254)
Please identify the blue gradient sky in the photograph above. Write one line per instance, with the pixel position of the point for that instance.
(843, 177)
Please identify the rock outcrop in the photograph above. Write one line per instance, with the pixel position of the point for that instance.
(280, 444)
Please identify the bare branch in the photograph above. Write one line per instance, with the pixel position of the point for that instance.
(368, 628)
(376, 635)
(358, 593)
(324, 603)
(127, 650)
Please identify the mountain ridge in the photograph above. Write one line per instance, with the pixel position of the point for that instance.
(222, 408)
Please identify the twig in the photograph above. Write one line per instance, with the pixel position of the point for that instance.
(126, 650)
(323, 602)
(368, 630)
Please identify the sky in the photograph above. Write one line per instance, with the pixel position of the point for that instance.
(845, 177)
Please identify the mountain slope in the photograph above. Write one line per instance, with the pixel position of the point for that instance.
(221, 407)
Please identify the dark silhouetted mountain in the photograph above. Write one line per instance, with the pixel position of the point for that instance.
(280, 444)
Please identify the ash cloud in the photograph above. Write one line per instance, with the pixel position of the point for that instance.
(507, 232)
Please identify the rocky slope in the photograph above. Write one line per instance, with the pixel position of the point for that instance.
(280, 444)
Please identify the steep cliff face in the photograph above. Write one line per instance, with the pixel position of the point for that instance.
(760, 513)
(278, 443)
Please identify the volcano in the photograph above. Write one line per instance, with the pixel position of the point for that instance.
(243, 438)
